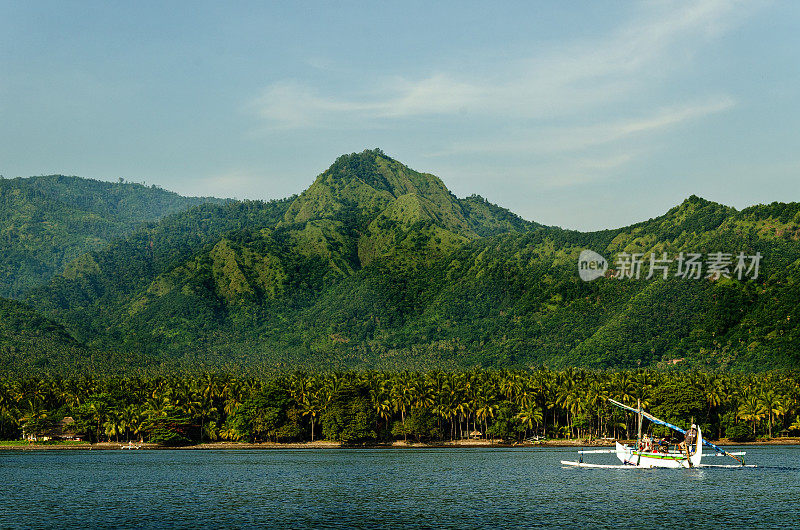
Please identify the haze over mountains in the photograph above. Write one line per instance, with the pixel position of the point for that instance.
(47, 221)
(375, 265)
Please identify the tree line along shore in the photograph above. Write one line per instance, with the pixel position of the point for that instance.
(385, 407)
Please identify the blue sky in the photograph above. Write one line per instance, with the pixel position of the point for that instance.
(586, 115)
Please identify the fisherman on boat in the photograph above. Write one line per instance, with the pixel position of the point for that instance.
(691, 436)
(647, 453)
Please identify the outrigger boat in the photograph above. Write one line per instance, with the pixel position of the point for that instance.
(647, 454)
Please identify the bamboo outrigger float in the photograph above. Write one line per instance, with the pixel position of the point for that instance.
(647, 454)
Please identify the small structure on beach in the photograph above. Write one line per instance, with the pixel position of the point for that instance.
(45, 430)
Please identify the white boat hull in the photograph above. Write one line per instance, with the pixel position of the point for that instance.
(602, 466)
(572, 463)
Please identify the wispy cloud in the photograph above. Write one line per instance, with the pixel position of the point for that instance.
(290, 104)
(550, 139)
(567, 80)
(570, 113)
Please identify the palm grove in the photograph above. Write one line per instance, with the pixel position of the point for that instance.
(371, 407)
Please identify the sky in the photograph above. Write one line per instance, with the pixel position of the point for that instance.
(585, 115)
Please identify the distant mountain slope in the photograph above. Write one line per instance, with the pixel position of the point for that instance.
(46, 222)
(379, 266)
(30, 343)
(94, 284)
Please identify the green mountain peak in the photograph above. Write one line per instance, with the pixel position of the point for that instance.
(366, 184)
(387, 207)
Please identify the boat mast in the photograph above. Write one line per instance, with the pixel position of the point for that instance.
(639, 415)
(639, 433)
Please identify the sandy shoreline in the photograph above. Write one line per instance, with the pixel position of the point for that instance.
(335, 445)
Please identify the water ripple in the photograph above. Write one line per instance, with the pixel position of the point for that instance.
(444, 488)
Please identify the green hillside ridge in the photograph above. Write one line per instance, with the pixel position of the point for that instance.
(102, 280)
(378, 266)
(48, 221)
(30, 343)
(488, 219)
(519, 301)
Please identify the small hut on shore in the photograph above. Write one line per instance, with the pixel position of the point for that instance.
(44, 430)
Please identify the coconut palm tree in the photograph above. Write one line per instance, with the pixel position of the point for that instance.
(402, 396)
(113, 425)
(715, 394)
(772, 404)
(311, 407)
(130, 420)
(485, 406)
(751, 409)
(8, 406)
(596, 399)
(204, 409)
(530, 415)
(572, 401)
(229, 432)
(100, 411)
(463, 409)
(795, 426)
(210, 430)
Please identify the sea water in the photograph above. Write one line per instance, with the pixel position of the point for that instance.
(410, 488)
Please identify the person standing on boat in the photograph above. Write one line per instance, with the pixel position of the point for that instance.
(689, 439)
(691, 436)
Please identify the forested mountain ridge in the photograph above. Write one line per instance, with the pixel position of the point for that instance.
(546, 315)
(31, 343)
(213, 264)
(106, 278)
(48, 221)
(378, 266)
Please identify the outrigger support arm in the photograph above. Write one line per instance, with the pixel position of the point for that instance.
(674, 427)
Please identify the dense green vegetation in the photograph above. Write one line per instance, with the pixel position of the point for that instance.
(48, 221)
(377, 266)
(98, 281)
(35, 343)
(379, 406)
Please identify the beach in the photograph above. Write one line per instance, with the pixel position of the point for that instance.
(324, 444)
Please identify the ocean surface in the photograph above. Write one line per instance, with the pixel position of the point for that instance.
(408, 488)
